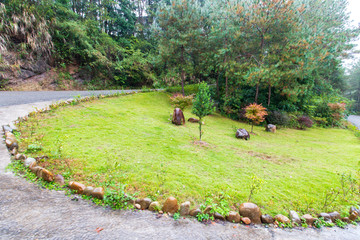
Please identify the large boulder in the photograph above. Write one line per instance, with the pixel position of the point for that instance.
(271, 128)
(178, 117)
(170, 205)
(242, 134)
(233, 217)
(252, 211)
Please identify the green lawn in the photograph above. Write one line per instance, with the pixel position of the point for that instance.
(158, 159)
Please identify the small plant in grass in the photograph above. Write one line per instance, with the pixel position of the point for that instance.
(176, 216)
(33, 148)
(320, 222)
(285, 225)
(218, 204)
(330, 197)
(203, 104)
(255, 113)
(303, 223)
(179, 101)
(304, 122)
(256, 184)
(117, 199)
(203, 217)
(340, 223)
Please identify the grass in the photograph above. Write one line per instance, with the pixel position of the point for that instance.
(130, 140)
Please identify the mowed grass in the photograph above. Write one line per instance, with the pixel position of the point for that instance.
(130, 139)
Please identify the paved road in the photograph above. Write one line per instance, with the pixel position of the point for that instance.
(29, 212)
(355, 120)
(16, 98)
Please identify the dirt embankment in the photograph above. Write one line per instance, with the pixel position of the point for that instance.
(21, 74)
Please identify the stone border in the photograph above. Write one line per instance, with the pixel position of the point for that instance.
(248, 213)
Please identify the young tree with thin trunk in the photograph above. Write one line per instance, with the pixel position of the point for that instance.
(203, 104)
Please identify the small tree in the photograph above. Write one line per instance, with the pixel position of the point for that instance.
(256, 113)
(203, 104)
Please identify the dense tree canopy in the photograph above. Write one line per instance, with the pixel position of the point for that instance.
(283, 54)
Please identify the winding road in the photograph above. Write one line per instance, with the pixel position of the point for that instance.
(29, 212)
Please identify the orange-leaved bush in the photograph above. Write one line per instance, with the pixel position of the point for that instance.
(256, 113)
(337, 111)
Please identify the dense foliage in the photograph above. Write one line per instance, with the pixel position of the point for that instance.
(283, 54)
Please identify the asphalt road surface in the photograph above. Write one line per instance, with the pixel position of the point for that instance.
(355, 120)
(30, 212)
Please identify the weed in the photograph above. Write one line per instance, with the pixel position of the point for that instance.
(176, 216)
(218, 203)
(303, 223)
(117, 199)
(256, 184)
(33, 148)
(203, 217)
(330, 197)
(320, 222)
(340, 223)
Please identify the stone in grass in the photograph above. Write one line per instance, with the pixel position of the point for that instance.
(28, 161)
(36, 169)
(59, 179)
(326, 217)
(346, 219)
(170, 205)
(271, 128)
(144, 202)
(233, 217)
(309, 219)
(194, 212)
(282, 219)
(9, 135)
(154, 206)
(246, 220)
(88, 190)
(252, 211)
(47, 175)
(11, 143)
(267, 219)
(334, 216)
(77, 187)
(354, 209)
(207, 210)
(294, 217)
(98, 193)
(219, 216)
(353, 216)
(242, 134)
(19, 156)
(137, 206)
(14, 151)
(7, 128)
(184, 208)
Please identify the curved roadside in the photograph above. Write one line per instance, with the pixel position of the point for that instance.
(28, 212)
(355, 120)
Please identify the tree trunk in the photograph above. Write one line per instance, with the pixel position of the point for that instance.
(217, 86)
(257, 92)
(182, 71)
(200, 123)
(269, 95)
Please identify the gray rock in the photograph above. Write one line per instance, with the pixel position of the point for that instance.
(154, 206)
(252, 211)
(294, 217)
(233, 217)
(219, 216)
(24, 74)
(185, 208)
(19, 156)
(7, 128)
(28, 161)
(326, 217)
(195, 212)
(59, 179)
(98, 193)
(271, 128)
(242, 134)
(334, 216)
(137, 206)
(267, 219)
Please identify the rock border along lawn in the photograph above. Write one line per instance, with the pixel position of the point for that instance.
(248, 213)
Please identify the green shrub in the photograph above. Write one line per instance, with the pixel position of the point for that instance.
(321, 122)
(179, 101)
(278, 118)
